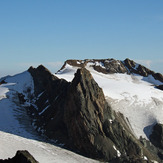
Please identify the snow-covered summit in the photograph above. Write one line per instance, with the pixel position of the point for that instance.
(110, 66)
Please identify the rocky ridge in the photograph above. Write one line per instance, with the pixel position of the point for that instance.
(77, 115)
(109, 66)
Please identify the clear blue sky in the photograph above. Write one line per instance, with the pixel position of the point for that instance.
(48, 32)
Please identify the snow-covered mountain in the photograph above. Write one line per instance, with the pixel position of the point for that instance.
(129, 88)
(126, 90)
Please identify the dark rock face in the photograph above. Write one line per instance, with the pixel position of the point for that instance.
(2, 82)
(160, 87)
(48, 107)
(21, 157)
(158, 76)
(137, 68)
(141, 70)
(42, 78)
(114, 66)
(84, 114)
(93, 127)
(77, 115)
(157, 135)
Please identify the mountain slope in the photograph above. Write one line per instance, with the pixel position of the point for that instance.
(74, 111)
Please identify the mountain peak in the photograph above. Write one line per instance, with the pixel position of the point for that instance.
(41, 76)
(79, 116)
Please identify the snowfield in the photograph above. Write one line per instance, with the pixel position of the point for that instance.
(133, 95)
(42, 152)
(16, 132)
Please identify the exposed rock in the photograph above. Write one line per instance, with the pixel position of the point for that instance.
(157, 135)
(42, 77)
(101, 65)
(109, 66)
(85, 111)
(20, 157)
(2, 82)
(129, 63)
(50, 92)
(158, 76)
(160, 87)
(133, 67)
(78, 115)
(114, 66)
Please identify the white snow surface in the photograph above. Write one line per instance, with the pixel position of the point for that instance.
(133, 95)
(16, 132)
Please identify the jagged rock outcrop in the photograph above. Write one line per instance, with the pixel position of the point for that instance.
(141, 70)
(78, 115)
(42, 78)
(93, 127)
(84, 114)
(47, 107)
(20, 157)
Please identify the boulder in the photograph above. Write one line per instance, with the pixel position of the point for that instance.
(20, 157)
(157, 135)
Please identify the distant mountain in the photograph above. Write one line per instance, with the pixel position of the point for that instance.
(110, 66)
(105, 109)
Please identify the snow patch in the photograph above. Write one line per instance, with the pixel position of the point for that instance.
(118, 152)
(145, 158)
(110, 120)
(40, 95)
(44, 110)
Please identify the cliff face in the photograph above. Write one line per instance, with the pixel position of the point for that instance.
(93, 127)
(77, 115)
(48, 104)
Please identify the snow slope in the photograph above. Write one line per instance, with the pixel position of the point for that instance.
(16, 132)
(133, 95)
